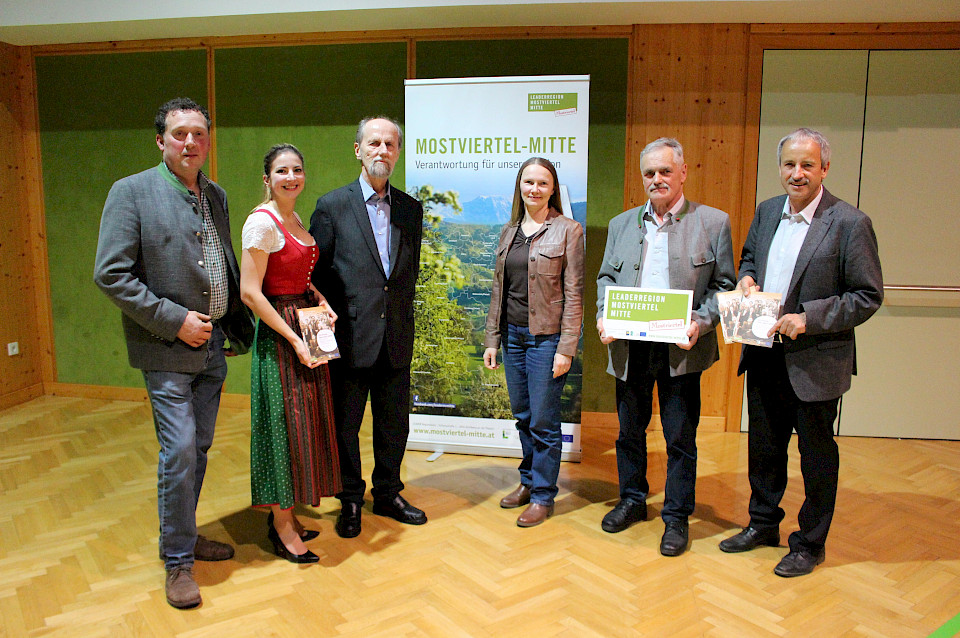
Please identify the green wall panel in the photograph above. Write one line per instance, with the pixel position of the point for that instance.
(96, 126)
(605, 61)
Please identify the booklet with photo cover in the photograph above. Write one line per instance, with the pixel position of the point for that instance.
(317, 331)
(748, 319)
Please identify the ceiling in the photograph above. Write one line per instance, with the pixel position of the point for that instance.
(40, 22)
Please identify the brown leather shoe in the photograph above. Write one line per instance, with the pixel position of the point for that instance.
(182, 590)
(534, 515)
(206, 549)
(516, 498)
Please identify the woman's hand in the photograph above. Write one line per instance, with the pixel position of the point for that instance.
(561, 364)
(490, 358)
(303, 353)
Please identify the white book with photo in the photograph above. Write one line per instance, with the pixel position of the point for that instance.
(748, 319)
(316, 328)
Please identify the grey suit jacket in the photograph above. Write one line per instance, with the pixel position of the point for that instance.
(701, 260)
(370, 306)
(148, 263)
(837, 282)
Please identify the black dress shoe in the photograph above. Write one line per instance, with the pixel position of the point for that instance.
(625, 513)
(675, 538)
(798, 563)
(348, 522)
(305, 534)
(399, 509)
(751, 538)
(281, 550)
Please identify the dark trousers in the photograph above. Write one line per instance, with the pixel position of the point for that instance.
(679, 415)
(774, 413)
(389, 392)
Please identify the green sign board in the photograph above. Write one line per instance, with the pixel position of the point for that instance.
(647, 314)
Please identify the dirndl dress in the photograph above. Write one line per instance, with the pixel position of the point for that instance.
(293, 443)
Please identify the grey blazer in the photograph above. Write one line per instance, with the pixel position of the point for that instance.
(837, 282)
(370, 306)
(148, 263)
(701, 260)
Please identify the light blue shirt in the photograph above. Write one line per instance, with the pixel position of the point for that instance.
(378, 211)
(786, 244)
(656, 257)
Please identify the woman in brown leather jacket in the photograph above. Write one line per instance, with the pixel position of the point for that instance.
(536, 313)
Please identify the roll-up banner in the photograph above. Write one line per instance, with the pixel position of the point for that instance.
(464, 142)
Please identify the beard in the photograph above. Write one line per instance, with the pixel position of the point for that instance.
(379, 169)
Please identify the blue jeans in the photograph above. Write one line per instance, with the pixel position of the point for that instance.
(535, 401)
(184, 413)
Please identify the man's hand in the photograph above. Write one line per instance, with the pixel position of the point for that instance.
(603, 335)
(490, 358)
(792, 325)
(693, 333)
(325, 306)
(561, 364)
(747, 285)
(196, 329)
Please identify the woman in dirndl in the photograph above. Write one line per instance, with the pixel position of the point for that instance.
(293, 449)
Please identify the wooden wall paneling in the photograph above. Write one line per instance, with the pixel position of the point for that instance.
(859, 29)
(334, 37)
(212, 110)
(411, 60)
(40, 266)
(740, 227)
(689, 82)
(21, 376)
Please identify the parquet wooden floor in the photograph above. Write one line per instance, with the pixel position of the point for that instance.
(78, 553)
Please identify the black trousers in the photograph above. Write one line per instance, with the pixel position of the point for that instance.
(389, 392)
(775, 412)
(679, 396)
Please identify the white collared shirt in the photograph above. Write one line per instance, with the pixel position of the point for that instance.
(786, 244)
(656, 258)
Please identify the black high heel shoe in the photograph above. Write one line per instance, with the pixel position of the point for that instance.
(305, 535)
(281, 550)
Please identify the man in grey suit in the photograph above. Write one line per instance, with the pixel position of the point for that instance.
(368, 238)
(821, 254)
(165, 258)
(668, 243)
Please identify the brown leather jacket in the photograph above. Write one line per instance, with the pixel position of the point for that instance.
(555, 288)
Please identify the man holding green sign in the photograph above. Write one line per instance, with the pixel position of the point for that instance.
(667, 246)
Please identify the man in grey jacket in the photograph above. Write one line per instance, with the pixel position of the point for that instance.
(668, 243)
(821, 254)
(165, 258)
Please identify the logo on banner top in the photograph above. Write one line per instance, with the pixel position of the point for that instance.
(554, 102)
